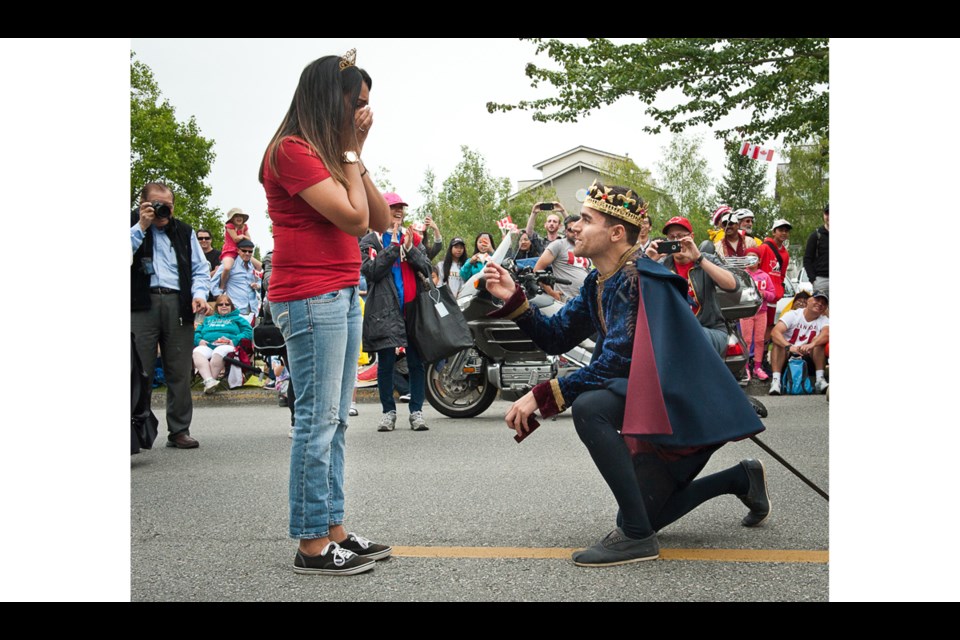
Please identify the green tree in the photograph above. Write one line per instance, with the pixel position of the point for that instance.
(471, 200)
(166, 150)
(744, 184)
(685, 177)
(382, 180)
(768, 86)
(626, 173)
(431, 205)
(803, 189)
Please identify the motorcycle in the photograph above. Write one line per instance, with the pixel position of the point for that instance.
(503, 359)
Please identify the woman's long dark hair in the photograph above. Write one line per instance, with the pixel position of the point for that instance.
(448, 260)
(318, 113)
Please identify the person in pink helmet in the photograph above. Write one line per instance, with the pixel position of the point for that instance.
(717, 232)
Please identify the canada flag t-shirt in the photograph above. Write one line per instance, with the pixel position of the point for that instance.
(799, 329)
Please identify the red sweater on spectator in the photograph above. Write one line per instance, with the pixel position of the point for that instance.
(769, 263)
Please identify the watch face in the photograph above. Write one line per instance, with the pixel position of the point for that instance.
(350, 156)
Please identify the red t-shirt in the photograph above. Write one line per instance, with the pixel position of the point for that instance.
(683, 270)
(770, 264)
(311, 256)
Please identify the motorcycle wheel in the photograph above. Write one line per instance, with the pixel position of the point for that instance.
(758, 406)
(462, 399)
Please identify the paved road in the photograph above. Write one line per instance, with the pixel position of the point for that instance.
(473, 516)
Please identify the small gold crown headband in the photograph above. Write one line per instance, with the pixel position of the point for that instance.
(348, 59)
(627, 206)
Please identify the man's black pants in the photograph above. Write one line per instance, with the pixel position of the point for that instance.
(650, 491)
(161, 325)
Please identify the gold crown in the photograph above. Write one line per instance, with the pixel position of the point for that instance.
(619, 202)
(348, 59)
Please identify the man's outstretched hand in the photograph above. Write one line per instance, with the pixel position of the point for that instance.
(498, 281)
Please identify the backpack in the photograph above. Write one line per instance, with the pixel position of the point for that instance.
(796, 378)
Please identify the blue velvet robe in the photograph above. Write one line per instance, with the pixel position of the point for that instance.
(679, 391)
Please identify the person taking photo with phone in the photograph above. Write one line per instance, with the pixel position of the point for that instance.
(704, 272)
(483, 248)
(555, 213)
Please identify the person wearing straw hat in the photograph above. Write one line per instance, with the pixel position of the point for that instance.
(235, 230)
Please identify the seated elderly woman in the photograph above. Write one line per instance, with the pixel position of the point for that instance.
(218, 336)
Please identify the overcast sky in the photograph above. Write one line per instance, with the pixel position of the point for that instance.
(428, 99)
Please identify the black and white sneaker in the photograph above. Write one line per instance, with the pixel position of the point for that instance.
(366, 548)
(334, 560)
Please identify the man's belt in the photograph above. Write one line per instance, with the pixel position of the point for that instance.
(164, 290)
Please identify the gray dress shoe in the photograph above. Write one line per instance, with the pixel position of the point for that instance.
(757, 498)
(616, 548)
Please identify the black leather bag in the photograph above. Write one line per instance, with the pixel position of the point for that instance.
(143, 424)
(435, 324)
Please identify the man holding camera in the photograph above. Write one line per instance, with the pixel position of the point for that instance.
(169, 283)
(703, 273)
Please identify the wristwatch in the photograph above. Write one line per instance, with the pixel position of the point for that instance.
(351, 157)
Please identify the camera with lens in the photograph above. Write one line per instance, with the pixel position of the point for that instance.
(161, 209)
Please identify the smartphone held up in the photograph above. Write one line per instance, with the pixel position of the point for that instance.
(668, 246)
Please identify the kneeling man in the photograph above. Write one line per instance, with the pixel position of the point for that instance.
(656, 400)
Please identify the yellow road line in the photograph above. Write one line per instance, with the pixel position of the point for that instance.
(716, 555)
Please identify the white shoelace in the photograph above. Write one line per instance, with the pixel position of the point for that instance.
(363, 542)
(340, 555)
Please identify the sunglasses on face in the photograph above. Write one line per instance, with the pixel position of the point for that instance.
(245, 251)
(203, 238)
(224, 304)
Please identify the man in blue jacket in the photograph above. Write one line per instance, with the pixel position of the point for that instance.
(655, 402)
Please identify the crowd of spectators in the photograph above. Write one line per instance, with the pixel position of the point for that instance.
(232, 284)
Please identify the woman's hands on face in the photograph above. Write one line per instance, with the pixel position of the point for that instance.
(363, 120)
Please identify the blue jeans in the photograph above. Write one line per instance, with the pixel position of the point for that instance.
(322, 336)
(386, 359)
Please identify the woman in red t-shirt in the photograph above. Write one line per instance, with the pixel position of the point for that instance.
(320, 199)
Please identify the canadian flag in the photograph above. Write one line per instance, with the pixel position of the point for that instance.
(756, 152)
(506, 224)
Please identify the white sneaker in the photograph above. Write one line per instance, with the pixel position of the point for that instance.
(353, 410)
(821, 385)
(210, 385)
(388, 421)
(775, 388)
(416, 421)
(405, 397)
(290, 435)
